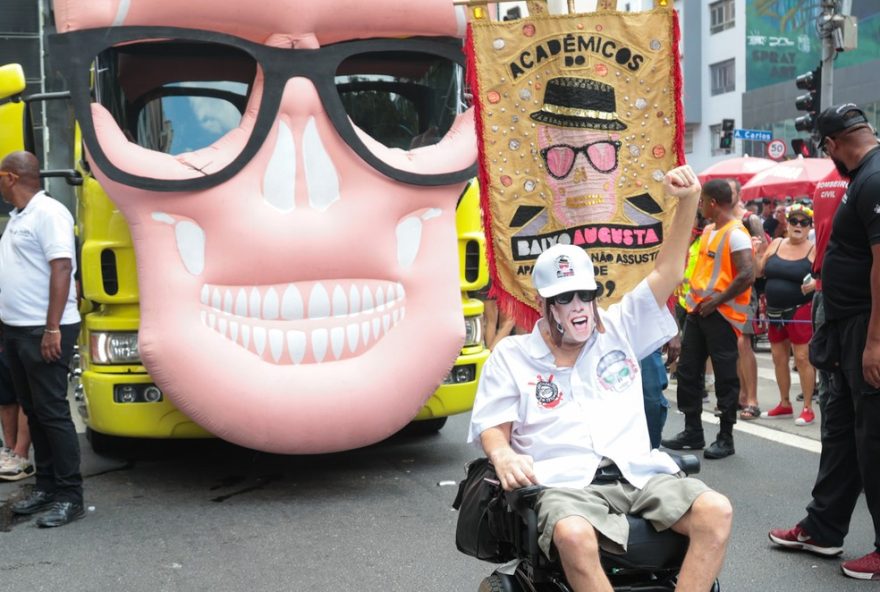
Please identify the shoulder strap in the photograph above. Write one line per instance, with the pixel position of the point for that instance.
(779, 244)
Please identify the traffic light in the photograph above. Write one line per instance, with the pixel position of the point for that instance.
(726, 140)
(812, 83)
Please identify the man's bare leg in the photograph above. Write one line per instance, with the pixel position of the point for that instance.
(23, 435)
(707, 525)
(747, 369)
(8, 415)
(578, 546)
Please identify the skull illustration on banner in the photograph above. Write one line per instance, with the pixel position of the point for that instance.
(579, 118)
(296, 251)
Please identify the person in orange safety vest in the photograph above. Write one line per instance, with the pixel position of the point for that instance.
(717, 306)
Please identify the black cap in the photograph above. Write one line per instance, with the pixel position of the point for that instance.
(838, 118)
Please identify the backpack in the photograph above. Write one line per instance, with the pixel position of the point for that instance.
(480, 528)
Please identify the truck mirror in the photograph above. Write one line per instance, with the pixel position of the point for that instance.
(12, 80)
(12, 84)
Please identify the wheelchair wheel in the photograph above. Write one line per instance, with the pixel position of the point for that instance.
(499, 583)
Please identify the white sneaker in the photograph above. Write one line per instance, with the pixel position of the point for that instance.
(16, 468)
(6, 454)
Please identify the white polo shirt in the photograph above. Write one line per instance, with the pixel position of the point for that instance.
(568, 419)
(40, 233)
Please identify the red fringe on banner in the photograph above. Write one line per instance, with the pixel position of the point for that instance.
(678, 89)
(522, 314)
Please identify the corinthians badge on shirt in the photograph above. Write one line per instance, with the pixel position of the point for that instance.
(547, 392)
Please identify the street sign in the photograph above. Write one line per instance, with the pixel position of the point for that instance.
(776, 149)
(750, 134)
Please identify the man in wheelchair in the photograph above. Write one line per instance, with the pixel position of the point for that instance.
(564, 404)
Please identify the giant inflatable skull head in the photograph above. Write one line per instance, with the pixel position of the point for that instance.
(298, 270)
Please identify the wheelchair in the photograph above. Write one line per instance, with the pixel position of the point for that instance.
(651, 563)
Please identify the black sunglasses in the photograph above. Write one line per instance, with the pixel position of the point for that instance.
(805, 222)
(585, 296)
(405, 93)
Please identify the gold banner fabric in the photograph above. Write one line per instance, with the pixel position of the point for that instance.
(579, 118)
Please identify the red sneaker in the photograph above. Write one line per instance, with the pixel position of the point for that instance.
(806, 418)
(864, 568)
(798, 539)
(778, 412)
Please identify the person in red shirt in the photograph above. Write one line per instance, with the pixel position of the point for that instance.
(825, 201)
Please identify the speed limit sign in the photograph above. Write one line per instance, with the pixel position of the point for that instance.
(776, 149)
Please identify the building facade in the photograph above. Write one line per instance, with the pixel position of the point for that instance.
(741, 59)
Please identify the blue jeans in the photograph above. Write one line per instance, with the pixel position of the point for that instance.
(654, 380)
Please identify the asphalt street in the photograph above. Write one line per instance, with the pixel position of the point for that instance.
(210, 516)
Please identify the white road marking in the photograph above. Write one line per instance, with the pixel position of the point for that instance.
(777, 436)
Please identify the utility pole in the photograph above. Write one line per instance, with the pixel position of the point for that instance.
(827, 26)
(839, 32)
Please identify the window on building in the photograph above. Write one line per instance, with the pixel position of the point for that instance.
(721, 16)
(688, 139)
(723, 75)
(715, 140)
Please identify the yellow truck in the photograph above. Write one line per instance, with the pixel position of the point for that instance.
(114, 393)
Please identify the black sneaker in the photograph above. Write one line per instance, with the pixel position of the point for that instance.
(61, 513)
(686, 440)
(37, 501)
(722, 447)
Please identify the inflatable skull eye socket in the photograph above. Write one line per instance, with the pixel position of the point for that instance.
(419, 81)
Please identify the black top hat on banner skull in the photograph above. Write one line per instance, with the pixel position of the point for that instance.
(579, 103)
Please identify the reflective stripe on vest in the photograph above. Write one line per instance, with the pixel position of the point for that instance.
(736, 310)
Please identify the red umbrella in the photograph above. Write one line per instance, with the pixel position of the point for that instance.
(790, 178)
(741, 168)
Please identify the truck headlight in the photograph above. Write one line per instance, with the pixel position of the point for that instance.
(114, 347)
(473, 331)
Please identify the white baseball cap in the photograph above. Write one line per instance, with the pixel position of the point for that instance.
(563, 268)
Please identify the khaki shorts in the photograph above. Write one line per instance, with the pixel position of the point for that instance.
(663, 501)
(751, 313)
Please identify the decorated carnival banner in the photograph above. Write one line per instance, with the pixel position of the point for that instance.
(579, 116)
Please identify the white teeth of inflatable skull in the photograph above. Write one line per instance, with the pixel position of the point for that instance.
(279, 325)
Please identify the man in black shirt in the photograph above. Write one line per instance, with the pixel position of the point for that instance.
(851, 287)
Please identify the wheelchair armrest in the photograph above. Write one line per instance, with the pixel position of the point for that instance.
(688, 463)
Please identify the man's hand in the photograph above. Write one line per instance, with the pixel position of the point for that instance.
(672, 349)
(709, 305)
(682, 182)
(514, 470)
(50, 347)
(871, 363)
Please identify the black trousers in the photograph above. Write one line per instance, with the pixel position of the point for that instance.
(850, 443)
(708, 337)
(42, 392)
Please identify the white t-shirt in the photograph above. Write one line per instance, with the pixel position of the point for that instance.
(40, 233)
(739, 239)
(568, 419)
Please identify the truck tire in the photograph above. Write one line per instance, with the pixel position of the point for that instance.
(424, 427)
(108, 445)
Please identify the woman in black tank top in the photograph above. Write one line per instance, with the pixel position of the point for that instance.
(786, 265)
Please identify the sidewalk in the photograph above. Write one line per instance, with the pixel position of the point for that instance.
(768, 398)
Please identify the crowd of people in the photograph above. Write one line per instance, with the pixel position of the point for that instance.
(555, 404)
